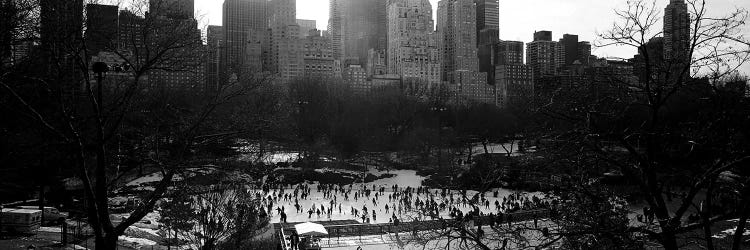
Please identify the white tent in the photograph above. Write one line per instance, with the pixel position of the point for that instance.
(310, 229)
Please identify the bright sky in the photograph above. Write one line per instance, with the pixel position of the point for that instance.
(518, 18)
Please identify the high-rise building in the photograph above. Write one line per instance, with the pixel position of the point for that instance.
(648, 63)
(334, 28)
(60, 31)
(130, 32)
(457, 27)
(256, 52)
(569, 44)
(488, 33)
(513, 80)
(677, 32)
(101, 28)
(488, 21)
(184, 67)
(356, 78)
(376, 63)
(543, 35)
(174, 9)
(318, 56)
(508, 53)
(413, 46)
(305, 26)
(214, 43)
(544, 55)
(286, 58)
(515, 84)
(238, 18)
(500, 52)
(584, 52)
(357, 26)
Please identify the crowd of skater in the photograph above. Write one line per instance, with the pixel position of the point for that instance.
(394, 202)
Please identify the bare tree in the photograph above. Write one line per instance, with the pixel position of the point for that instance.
(209, 216)
(88, 119)
(658, 146)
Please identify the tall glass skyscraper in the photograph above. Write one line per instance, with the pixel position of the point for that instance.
(238, 18)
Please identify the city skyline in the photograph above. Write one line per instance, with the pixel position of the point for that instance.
(518, 18)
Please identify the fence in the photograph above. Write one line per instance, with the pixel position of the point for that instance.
(336, 230)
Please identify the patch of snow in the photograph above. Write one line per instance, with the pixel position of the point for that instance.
(50, 229)
(728, 233)
(139, 242)
(146, 179)
(326, 170)
(271, 158)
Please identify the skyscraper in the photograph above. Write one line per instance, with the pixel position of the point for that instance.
(318, 55)
(488, 21)
(514, 81)
(569, 44)
(286, 58)
(60, 33)
(175, 9)
(214, 40)
(101, 28)
(184, 68)
(543, 35)
(357, 26)
(488, 33)
(413, 50)
(508, 53)
(130, 33)
(334, 28)
(584, 52)
(677, 32)
(238, 18)
(457, 28)
(305, 26)
(544, 55)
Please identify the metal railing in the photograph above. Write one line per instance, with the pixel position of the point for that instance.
(337, 231)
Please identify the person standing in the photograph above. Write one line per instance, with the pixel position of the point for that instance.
(294, 238)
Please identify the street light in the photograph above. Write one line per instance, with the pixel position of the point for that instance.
(99, 69)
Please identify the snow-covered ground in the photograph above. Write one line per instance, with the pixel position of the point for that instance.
(730, 232)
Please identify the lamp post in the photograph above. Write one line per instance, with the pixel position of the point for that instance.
(99, 69)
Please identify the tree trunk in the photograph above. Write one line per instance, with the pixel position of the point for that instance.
(106, 242)
(737, 242)
(669, 240)
(706, 211)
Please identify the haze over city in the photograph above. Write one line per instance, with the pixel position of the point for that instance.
(518, 18)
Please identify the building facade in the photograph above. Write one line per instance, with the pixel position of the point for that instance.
(101, 28)
(488, 21)
(175, 9)
(413, 47)
(457, 28)
(544, 55)
(238, 18)
(357, 26)
(214, 46)
(318, 57)
(305, 26)
(286, 48)
(677, 32)
(515, 84)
